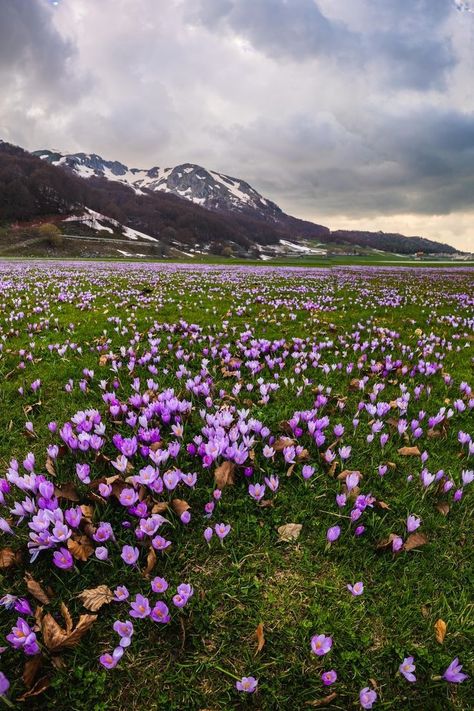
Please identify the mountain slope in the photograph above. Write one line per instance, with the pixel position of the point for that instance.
(207, 188)
(185, 207)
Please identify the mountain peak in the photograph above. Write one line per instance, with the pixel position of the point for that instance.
(208, 188)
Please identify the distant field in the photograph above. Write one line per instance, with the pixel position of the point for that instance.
(164, 399)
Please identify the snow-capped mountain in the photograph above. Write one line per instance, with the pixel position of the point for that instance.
(207, 188)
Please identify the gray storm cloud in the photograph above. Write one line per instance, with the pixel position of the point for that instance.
(332, 108)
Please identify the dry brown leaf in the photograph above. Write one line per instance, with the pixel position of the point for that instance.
(53, 634)
(344, 474)
(40, 686)
(415, 540)
(179, 506)
(7, 558)
(159, 507)
(67, 618)
(224, 474)
(55, 637)
(266, 503)
(94, 598)
(283, 442)
(87, 511)
(49, 466)
(322, 702)
(35, 589)
(67, 491)
(386, 542)
(84, 624)
(80, 547)
(443, 507)
(289, 532)
(382, 505)
(425, 611)
(58, 662)
(31, 669)
(409, 452)
(303, 455)
(150, 562)
(260, 638)
(440, 630)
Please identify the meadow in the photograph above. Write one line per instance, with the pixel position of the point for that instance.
(235, 487)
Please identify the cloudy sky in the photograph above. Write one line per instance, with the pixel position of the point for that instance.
(353, 113)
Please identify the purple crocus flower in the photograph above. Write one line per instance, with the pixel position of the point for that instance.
(63, 559)
(159, 585)
(407, 668)
(4, 684)
(129, 555)
(160, 613)
(333, 533)
(397, 544)
(101, 553)
(367, 698)
(329, 677)
(320, 644)
(453, 673)
(121, 593)
(247, 684)
(412, 523)
(208, 532)
(221, 530)
(140, 607)
(22, 606)
(109, 661)
(257, 491)
(356, 589)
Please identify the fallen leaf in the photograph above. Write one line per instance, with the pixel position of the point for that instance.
(31, 669)
(425, 611)
(386, 542)
(40, 686)
(49, 466)
(38, 617)
(409, 452)
(35, 589)
(289, 532)
(322, 702)
(103, 360)
(415, 540)
(67, 618)
(266, 503)
(283, 442)
(440, 630)
(224, 474)
(94, 598)
(7, 558)
(443, 507)
(80, 547)
(66, 491)
(179, 506)
(260, 638)
(303, 455)
(87, 511)
(150, 562)
(159, 507)
(344, 474)
(382, 505)
(55, 637)
(58, 662)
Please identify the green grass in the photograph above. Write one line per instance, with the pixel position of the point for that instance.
(296, 589)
